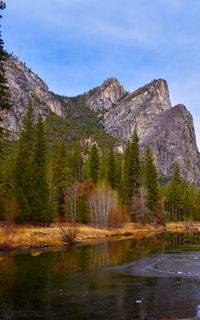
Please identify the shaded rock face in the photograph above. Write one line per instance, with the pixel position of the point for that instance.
(168, 130)
(25, 86)
(172, 139)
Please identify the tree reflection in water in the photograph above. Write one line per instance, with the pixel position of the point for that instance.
(75, 280)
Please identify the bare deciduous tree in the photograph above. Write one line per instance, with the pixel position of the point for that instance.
(102, 202)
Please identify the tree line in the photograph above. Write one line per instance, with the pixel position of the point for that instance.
(41, 182)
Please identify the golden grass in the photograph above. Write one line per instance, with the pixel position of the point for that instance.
(27, 236)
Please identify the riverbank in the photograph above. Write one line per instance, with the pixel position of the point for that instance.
(58, 235)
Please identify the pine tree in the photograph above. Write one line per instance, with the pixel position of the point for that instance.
(77, 164)
(151, 181)
(132, 167)
(24, 169)
(2, 208)
(4, 93)
(40, 203)
(83, 210)
(94, 164)
(177, 175)
(112, 170)
(63, 177)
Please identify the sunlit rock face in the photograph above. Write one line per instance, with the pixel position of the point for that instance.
(137, 110)
(104, 97)
(25, 86)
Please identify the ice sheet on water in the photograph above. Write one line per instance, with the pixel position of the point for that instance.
(182, 264)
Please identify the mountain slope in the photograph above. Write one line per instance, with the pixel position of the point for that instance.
(107, 111)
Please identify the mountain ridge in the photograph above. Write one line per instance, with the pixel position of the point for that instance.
(168, 130)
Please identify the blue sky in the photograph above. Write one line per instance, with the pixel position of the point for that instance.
(74, 45)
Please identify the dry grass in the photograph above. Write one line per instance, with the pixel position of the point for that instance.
(26, 236)
(183, 226)
(69, 232)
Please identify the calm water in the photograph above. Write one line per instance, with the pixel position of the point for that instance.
(128, 279)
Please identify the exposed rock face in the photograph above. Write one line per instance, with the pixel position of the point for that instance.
(25, 86)
(135, 110)
(104, 97)
(168, 130)
(172, 139)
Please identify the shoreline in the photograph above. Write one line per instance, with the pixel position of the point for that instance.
(28, 237)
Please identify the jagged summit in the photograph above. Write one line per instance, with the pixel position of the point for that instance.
(25, 86)
(137, 109)
(102, 98)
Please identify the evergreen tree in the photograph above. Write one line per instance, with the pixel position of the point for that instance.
(151, 180)
(83, 210)
(176, 195)
(77, 164)
(4, 94)
(177, 175)
(24, 170)
(2, 208)
(112, 170)
(63, 177)
(40, 203)
(94, 164)
(132, 167)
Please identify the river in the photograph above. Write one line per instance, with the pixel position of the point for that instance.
(152, 277)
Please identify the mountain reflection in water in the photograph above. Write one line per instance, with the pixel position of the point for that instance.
(81, 283)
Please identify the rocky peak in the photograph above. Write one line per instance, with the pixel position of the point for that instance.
(25, 86)
(102, 98)
(137, 110)
(168, 130)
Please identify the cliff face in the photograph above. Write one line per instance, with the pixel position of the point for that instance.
(25, 86)
(137, 110)
(168, 130)
(104, 97)
(172, 140)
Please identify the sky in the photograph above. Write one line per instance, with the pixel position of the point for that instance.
(74, 45)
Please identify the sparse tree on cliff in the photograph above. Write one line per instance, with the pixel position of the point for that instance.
(4, 94)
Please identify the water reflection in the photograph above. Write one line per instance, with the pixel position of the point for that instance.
(76, 283)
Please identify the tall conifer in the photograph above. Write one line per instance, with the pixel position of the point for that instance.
(94, 164)
(83, 210)
(40, 203)
(112, 170)
(132, 167)
(151, 180)
(4, 94)
(24, 170)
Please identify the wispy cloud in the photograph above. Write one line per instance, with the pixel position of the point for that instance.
(76, 44)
